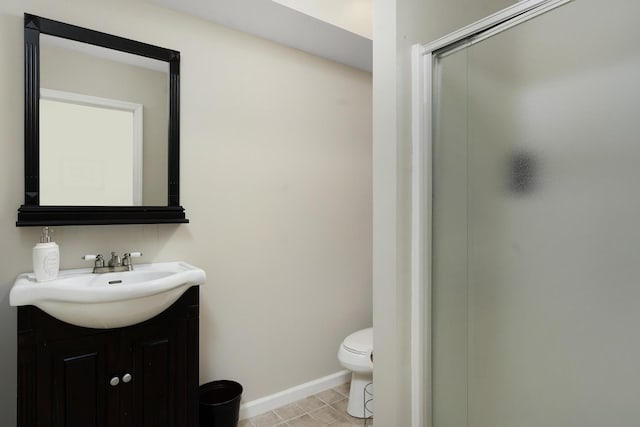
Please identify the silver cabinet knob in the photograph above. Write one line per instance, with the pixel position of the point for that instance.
(126, 378)
(114, 381)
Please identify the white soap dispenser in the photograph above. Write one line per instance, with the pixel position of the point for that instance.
(46, 258)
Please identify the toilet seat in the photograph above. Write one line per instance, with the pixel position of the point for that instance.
(355, 351)
(360, 342)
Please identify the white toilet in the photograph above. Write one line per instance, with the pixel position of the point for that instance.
(356, 354)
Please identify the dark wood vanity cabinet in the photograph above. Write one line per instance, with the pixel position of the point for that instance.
(145, 375)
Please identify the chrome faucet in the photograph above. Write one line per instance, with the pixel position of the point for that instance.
(115, 260)
(114, 265)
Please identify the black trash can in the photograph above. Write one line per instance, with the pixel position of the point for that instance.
(220, 403)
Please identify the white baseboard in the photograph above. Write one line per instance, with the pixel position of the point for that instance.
(282, 398)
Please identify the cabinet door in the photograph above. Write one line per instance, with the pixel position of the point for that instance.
(65, 372)
(73, 387)
(157, 384)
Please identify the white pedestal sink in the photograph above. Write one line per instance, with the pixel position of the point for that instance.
(109, 300)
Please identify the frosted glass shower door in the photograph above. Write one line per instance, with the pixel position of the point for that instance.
(536, 223)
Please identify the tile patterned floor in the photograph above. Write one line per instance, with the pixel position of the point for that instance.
(327, 408)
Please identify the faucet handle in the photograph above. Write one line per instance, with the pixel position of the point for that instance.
(99, 260)
(126, 259)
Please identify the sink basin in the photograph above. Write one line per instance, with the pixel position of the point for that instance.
(109, 300)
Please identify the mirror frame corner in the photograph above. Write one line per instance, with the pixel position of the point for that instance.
(31, 213)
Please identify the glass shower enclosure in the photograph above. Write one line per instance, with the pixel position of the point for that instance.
(533, 167)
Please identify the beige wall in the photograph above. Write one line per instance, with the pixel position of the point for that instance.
(276, 179)
(397, 26)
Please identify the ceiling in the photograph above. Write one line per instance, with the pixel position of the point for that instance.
(283, 25)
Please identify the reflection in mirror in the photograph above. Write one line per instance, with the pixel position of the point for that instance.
(88, 153)
(72, 126)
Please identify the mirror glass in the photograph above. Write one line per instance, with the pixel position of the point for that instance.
(103, 126)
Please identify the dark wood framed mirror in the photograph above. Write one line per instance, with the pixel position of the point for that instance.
(103, 155)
